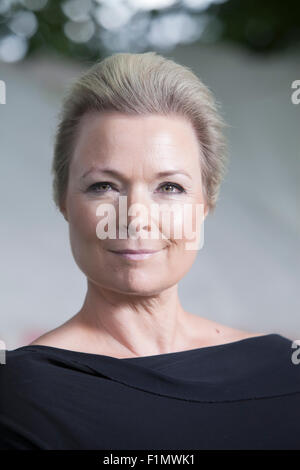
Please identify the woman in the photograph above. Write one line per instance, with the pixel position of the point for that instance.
(132, 369)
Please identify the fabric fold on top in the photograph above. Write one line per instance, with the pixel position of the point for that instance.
(251, 368)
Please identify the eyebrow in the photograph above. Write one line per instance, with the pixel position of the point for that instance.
(118, 174)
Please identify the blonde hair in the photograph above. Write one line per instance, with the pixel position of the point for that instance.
(145, 83)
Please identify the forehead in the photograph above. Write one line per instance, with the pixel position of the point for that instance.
(104, 137)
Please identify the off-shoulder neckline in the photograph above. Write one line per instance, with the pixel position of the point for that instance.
(175, 354)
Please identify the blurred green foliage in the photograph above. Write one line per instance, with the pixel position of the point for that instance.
(260, 26)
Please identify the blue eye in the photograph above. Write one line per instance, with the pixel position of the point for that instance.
(177, 186)
(93, 187)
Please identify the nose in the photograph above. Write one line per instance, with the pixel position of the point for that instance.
(138, 206)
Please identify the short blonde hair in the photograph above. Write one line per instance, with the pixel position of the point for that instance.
(145, 83)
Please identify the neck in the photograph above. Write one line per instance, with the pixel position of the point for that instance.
(134, 325)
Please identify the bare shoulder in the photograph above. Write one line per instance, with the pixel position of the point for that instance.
(240, 334)
(237, 334)
(218, 333)
(59, 337)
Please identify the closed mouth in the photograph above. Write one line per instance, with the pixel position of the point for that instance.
(136, 255)
(134, 252)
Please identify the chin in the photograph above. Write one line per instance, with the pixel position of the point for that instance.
(138, 285)
(135, 291)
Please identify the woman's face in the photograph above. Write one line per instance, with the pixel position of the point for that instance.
(119, 155)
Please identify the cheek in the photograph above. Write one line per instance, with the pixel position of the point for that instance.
(183, 223)
(171, 222)
(180, 259)
(82, 230)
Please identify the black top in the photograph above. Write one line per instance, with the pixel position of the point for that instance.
(239, 395)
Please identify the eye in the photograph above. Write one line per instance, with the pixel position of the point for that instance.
(173, 185)
(93, 187)
(96, 187)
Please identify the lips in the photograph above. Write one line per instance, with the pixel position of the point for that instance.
(136, 255)
(134, 252)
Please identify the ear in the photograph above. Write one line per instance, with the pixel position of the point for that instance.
(206, 211)
(63, 210)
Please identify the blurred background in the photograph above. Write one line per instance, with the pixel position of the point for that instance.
(248, 53)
